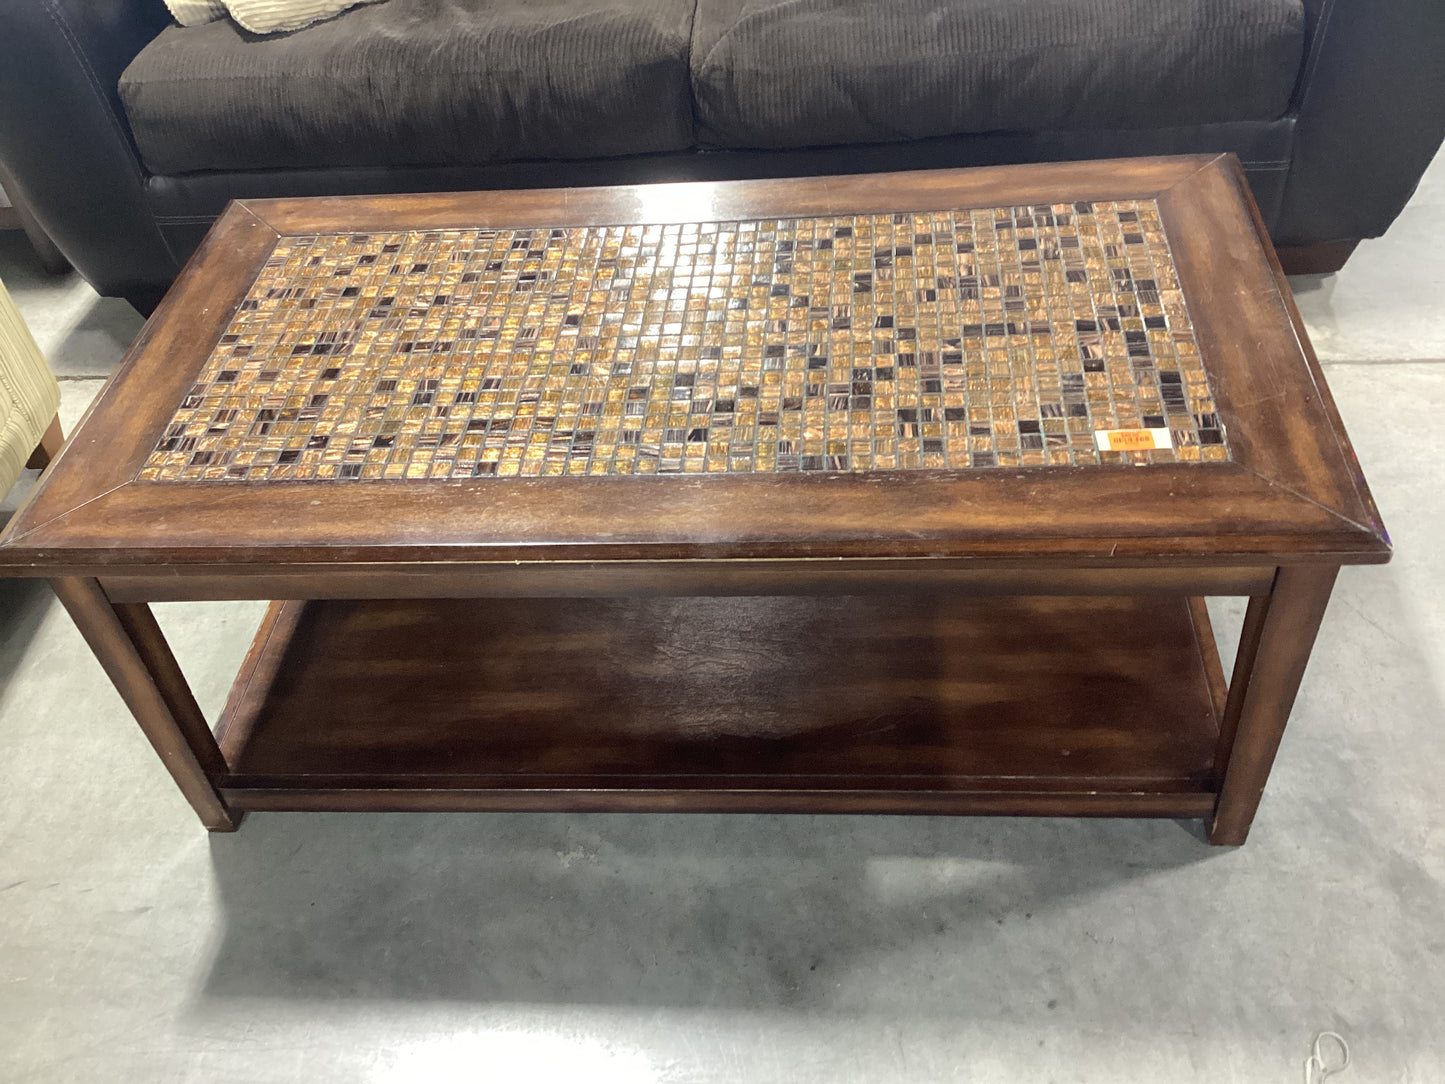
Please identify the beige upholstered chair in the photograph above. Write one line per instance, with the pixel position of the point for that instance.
(29, 398)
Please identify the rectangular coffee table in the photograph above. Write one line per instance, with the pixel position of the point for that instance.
(891, 493)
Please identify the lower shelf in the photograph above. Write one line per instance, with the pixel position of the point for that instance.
(907, 703)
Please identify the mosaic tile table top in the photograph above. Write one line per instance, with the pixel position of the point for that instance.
(1002, 337)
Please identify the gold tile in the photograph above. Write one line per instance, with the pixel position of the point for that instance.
(934, 340)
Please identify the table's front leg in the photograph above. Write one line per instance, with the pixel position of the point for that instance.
(1279, 631)
(134, 653)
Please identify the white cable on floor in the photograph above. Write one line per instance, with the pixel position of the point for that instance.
(1315, 1068)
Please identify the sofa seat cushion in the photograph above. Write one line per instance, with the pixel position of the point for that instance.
(417, 82)
(788, 73)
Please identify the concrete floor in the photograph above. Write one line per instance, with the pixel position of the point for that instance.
(135, 947)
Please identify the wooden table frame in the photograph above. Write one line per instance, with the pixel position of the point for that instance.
(1274, 524)
(1279, 632)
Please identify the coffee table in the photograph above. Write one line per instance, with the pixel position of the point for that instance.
(890, 493)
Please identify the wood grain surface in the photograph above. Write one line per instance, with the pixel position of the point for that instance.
(1294, 492)
(822, 642)
(885, 693)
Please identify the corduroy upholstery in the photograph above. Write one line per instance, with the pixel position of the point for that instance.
(797, 73)
(466, 82)
(418, 82)
(1334, 121)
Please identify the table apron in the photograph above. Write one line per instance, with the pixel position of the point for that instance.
(678, 578)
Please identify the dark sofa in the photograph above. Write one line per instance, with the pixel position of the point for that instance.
(129, 134)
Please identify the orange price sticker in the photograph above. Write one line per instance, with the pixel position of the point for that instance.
(1132, 440)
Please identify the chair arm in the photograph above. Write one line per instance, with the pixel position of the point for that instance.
(1371, 115)
(64, 136)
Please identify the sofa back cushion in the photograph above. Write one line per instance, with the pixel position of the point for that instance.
(417, 82)
(791, 73)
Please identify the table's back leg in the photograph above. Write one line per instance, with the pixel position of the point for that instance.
(134, 653)
(1279, 632)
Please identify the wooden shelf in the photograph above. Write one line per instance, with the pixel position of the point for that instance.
(904, 703)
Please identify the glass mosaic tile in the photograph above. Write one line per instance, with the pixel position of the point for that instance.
(1000, 337)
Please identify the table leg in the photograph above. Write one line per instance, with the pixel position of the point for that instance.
(134, 653)
(1279, 631)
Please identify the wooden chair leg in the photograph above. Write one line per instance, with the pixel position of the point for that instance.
(49, 446)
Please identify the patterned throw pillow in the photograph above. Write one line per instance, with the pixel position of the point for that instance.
(196, 12)
(260, 16)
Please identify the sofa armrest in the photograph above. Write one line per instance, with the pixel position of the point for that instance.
(64, 137)
(1371, 115)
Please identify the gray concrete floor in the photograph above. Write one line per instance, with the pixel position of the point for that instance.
(133, 946)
